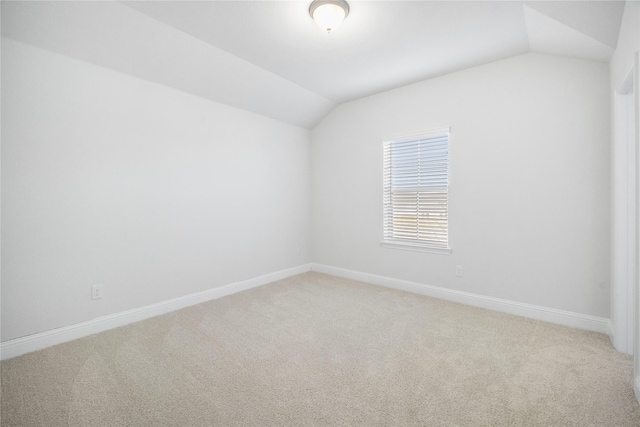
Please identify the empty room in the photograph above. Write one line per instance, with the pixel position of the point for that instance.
(319, 212)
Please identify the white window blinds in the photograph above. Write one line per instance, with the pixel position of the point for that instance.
(416, 190)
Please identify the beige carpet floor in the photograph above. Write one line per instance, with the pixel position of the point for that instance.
(320, 350)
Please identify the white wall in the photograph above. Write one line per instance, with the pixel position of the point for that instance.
(529, 194)
(149, 191)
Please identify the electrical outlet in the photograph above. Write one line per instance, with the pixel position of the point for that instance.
(96, 291)
(458, 270)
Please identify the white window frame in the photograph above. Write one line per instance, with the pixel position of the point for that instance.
(421, 241)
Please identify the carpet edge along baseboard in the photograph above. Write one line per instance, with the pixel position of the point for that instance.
(19, 346)
(545, 314)
(38, 341)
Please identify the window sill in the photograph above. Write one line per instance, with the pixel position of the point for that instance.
(415, 248)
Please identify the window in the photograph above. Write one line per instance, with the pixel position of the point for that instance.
(416, 192)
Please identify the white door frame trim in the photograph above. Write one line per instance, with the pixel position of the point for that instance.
(624, 241)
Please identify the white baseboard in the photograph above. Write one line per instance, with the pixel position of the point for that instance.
(551, 315)
(23, 345)
(27, 344)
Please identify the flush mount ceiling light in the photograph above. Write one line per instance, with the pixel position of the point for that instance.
(328, 14)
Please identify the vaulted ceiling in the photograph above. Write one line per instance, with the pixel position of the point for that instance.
(269, 57)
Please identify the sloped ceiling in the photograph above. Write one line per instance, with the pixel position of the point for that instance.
(268, 57)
